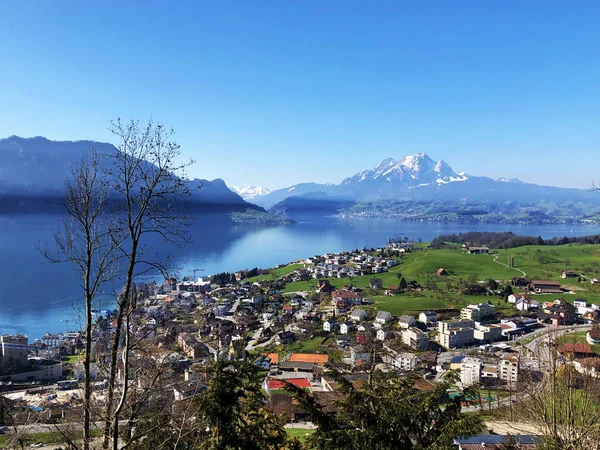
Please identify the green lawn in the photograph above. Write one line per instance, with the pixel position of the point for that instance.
(545, 262)
(276, 273)
(541, 262)
(458, 264)
(307, 346)
(47, 437)
(408, 303)
(300, 433)
(421, 266)
(72, 359)
(414, 303)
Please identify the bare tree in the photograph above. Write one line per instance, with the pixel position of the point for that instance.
(562, 399)
(86, 239)
(148, 180)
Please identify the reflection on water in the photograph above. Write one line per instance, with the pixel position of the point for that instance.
(38, 297)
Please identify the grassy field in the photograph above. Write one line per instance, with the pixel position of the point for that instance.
(276, 273)
(300, 433)
(421, 266)
(414, 303)
(72, 359)
(547, 263)
(47, 437)
(457, 263)
(538, 262)
(307, 346)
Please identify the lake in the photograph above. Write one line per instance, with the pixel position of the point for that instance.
(38, 297)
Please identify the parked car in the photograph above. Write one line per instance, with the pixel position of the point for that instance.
(37, 445)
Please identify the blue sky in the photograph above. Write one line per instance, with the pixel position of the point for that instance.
(276, 93)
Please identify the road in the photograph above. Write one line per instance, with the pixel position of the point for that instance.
(550, 333)
(507, 266)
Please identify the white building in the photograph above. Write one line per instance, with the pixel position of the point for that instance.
(382, 334)
(456, 333)
(470, 371)
(428, 318)
(479, 312)
(358, 315)
(329, 325)
(509, 368)
(384, 317)
(406, 321)
(345, 327)
(487, 333)
(415, 338)
(514, 298)
(52, 340)
(525, 304)
(403, 361)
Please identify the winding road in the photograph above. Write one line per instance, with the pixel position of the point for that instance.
(507, 266)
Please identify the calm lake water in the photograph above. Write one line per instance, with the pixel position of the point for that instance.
(38, 297)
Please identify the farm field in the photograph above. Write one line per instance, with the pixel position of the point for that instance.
(414, 303)
(538, 262)
(548, 262)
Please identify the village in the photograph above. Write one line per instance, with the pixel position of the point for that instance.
(298, 337)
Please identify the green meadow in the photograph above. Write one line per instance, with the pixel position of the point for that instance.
(538, 262)
(274, 274)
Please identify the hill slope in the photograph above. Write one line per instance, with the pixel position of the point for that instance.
(33, 172)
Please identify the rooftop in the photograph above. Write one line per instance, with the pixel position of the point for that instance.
(309, 358)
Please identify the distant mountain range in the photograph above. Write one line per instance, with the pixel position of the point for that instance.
(33, 172)
(417, 187)
(251, 192)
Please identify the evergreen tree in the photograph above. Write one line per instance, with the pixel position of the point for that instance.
(403, 284)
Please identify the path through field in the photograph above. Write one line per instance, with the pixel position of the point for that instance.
(507, 266)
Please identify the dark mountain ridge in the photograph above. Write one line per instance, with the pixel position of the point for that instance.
(33, 172)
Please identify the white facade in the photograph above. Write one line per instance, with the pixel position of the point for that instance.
(415, 338)
(329, 325)
(479, 312)
(358, 315)
(345, 328)
(406, 321)
(428, 318)
(509, 368)
(382, 334)
(470, 371)
(384, 317)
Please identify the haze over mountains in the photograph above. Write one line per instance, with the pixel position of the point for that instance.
(33, 172)
(416, 186)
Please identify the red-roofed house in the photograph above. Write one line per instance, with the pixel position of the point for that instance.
(273, 384)
(577, 350)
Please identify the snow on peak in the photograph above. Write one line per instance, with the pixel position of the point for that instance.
(412, 170)
(250, 192)
(385, 163)
(509, 180)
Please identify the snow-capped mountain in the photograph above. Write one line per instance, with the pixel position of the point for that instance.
(420, 180)
(251, 192)
(387, 180)
(410, 171)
